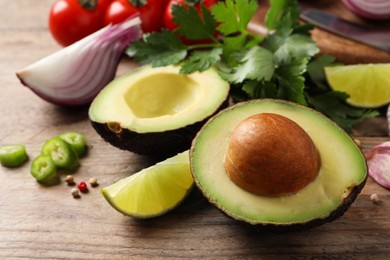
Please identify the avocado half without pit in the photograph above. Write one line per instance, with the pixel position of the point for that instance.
(157, 111)
(277, 164)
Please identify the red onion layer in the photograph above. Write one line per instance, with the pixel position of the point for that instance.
(378, 161)
(74, 75)
(372, 9)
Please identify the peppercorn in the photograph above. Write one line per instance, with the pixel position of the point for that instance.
(93, 181)
(75, 193)
(70, 180)
(82, 186)
(375, 198)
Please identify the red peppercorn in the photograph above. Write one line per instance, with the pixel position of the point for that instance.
(82, 186)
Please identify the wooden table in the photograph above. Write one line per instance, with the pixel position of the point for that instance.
(45, 222)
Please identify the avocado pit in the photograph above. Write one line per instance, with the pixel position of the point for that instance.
(271, 155)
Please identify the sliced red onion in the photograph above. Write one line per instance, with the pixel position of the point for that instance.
(74, 75)
(378, 161)
(373, 9)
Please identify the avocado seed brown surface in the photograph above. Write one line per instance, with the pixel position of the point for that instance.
(271, 155)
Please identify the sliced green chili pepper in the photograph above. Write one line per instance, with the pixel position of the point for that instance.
(76, 140)
(13, 155)
(60, 152)
(43, 168)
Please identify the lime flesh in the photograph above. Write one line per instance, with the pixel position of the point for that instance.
(152, 191)
(368, 85)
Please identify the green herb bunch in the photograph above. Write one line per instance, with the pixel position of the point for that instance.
(281, 64)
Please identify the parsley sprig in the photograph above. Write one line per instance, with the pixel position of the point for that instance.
(281, 64)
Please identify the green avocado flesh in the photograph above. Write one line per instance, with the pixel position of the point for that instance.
(341, 176)
(157, 111)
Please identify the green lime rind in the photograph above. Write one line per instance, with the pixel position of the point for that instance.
(62, 153)
(136, 215)
(76, 140)
(13, 155)
(43, 168)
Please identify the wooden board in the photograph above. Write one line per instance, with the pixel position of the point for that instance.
(45, 222)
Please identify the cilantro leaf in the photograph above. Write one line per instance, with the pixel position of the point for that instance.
(201, 60)
(292, 89)
(234, 16)
(316, 71)
(233, 43)
(191, 24)
(264, 89)
(255, 63)
(286, 44)
(333, 104)
(296, 47)
(158, 49)
(291, 83)
(292, 52)
(278, 9)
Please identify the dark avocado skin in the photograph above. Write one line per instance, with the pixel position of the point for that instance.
(337, 213)
(155, 144)
(286, 228)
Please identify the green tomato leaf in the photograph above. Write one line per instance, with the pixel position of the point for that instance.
(158, 49)
(201, 60)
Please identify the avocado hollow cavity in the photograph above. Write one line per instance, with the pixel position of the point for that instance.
(161, 95)
(271, 155)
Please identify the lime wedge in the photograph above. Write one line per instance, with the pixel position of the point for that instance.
(368, 85)
(152, 191)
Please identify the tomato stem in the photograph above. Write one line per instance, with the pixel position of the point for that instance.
(138, 3)
(88, 4)
(193, 2)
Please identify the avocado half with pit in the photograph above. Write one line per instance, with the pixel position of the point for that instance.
(277, 165)
(157, 111)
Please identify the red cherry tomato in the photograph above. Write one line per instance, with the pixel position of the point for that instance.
(165, 3)
(118, 11)
(168, 16)
(151, 12)
(72, 20)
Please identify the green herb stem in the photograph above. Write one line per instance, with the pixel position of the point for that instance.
(205, 46)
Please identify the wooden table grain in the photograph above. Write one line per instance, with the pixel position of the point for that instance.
(45, 222)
